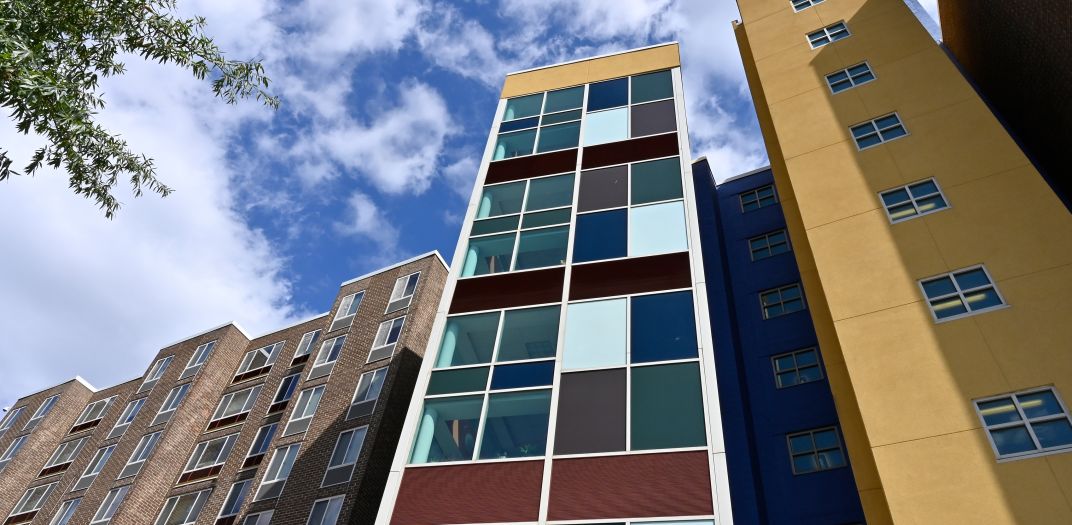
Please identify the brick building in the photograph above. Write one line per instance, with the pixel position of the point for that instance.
(297, 426)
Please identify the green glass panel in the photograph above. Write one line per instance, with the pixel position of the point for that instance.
(562, 136)
(543, 247)
(546, 218)
(516, 425)
(501, 199)
(658, 180)
(667, 407)
(652, 86)
(501, 224)
(550, 192)
(564, 99)
(448, 430)
(457, 381)
(565, 116)
(468, 340)
(529, 334)
(515, 144)
(488, 255)
(522, 107)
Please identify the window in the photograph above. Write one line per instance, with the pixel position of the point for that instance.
(368, 391)
(815, 450)
(260, 445)
(347, 310)
(326, 511)
(63, 456)
(1026, 423)
(126, 418)
(155, 373)
(304, 410)
(827, 35)
(32, 500)
(961, 293)
(768, 245)
(197, 360)
(520, 226)
(877, 131)
(284, 393)
(234, 407)
(184, 509)
(110, 505)
(100, 458)
(630, 107)
(171, 403)
(758, 198)
(92, 415)
(9, 421)
(402, 293)
(11, 451)
(541, 122)
(644, 217)
(800, 5)
(305, 346)
(260, 518)
(141, 453)
(206, 457)
(235, 498)
(849, 77)
(781, 301)
(258, 362)
(386, 338)
(596, 334)
(344, 456)
(40, 413)
(64, 513)
(913, 200)
(326, 357)
(278, 470)
(795, 368)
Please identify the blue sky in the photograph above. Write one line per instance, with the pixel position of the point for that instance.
(370, 160)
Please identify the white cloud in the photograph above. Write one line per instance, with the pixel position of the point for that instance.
(461, 45)
(461, 175)
(332, 30)
(365, 219)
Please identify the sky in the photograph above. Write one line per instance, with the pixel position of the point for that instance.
(386, 108)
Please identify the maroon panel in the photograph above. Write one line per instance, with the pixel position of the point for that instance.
(229, 520)
(532, 166)
(253, 461)
(488, 493)
(277, 407)
(219, 423)
(251, 374)
(21, 518)
(630, 151)
(198, 475)
(84, 426)
(633, 275)
(54, 469)
(638, 486)
(300, 359)
(508, 290)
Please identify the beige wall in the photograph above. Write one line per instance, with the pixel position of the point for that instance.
(664, 56)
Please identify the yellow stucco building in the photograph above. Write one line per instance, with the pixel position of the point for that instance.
(936, 261)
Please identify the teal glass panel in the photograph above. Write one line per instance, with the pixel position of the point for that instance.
(667, 407)
(595, 334)
(488, 255)
(530, 333)
(652, 86)
(458, 381)
(501, 199)
(542, 247)
(550, 192)
(515, 144)
(565, 116)
(606, 126)
(657, 228)
(546, 218)
(468, 340)
(501, 224)
(447, 430)
(561, 136)
(563, 99)
(522, 107)
(516, 425)
(658, 180)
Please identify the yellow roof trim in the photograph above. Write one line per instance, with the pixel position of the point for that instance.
(663, 56)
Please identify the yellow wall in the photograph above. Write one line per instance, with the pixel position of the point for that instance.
(904, 384)
(592, 70)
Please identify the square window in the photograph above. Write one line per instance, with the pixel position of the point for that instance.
(501, 199)
(606, 126)
(448, 430)
(800, 5)
(559, 136)
(604, 188)
(541, 248)
(657, 228)
(600, 235)
(487, 255)
(468, 340)
(768, 245)
(758, 198)
(913, 200)
(515, 144)
(850, 77)
(563, 99)
(1026, 423)
(781, 301)
(667, 407)
(877, 131)
(652, 118)
(957, 294)
(657, 180)
(516, 425)
(815, 450)
(652, 86)
(529, 333)
(608, 94)
(591, 412)
(796, 368)
(828, 34)
(550, 192)
(595, 334)
(522, 107)
(663, 327)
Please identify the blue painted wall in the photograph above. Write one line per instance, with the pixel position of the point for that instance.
(757, 415)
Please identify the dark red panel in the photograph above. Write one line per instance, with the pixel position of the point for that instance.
(633, 275)
(630, 151)
(495, 492)
(639, 486)
(508, 290)
(532, 166)
(84, 426)
(54, 469)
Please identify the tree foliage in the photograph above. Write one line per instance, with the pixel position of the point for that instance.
(53, 54)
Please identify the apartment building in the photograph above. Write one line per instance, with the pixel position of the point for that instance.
(934, 258)
(295, 426)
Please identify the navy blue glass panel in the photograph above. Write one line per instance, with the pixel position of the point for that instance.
(519, 124)
(609, 94)
(523, 375)
(600, 235)
(663, 327)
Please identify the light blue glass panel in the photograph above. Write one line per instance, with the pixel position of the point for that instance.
(595, 334)
(657, 229)
(606, 126)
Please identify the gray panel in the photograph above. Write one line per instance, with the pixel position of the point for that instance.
(399, 304)
(145, 387)
(84, 482)
(603, 188)
(363, 408)
(337, 475)
(270, 490)
(341, 323)
(320, 371)
(591, 412)
(130, 470)
(162, 418)
(649, 119)
(297, 427)
(118, 431)
(190, 371)
(381, 353)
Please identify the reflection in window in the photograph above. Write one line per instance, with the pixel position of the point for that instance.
(468, 339)
(447, 430)
(516, 425)
(1026, 423)
(961, 293)
(816, 450)
(595, 334)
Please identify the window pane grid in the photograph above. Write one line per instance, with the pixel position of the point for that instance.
(828, 34)
(849, 77)
(958, 300)
(913, 200)
(758, 198)
(795, 368)
(781, 301)
(815, 450)
(800, 5)
(877, 131)
(768, 245)
(1009, 448)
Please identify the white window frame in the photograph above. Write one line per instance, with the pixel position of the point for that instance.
(800, 5)
(84, 418)
(96, 464)
(271, 353)
(305, 413)
(305, 345)
(63, 450)
(913, 200)
(42, 410)
(327, 504)
(155, 373)
(343, 319)
(379, 344)
(259, 518)
(827, 34)
(65, 512)
(198, 359)
(243, 488)
(280, 453)
(878, 131)
(398, 292)
(326, 347)
(850, 77)
(267, 442)
(175, 398)
(39, 495)
(961, 293)
(251, 398)
(192, 512)
(279, 390)
(129, 414)
(11, 451)
(344, 465)
(145, 447)
(110, 505)
(1025, 422)
(199, 453)
(371, 375)
(9, 421)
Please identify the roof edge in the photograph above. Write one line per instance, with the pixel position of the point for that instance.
(586, 59)
(397, 264)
